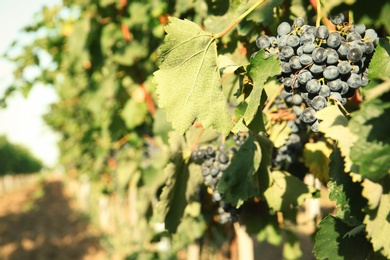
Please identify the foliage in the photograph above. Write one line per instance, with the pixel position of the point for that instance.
(16, 159)
(141, 84)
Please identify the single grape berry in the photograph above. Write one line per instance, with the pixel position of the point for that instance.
(334, 40)
(354, 81)
(331, 72)
(322, 32)
(308, 115)
(332, 56)
(305, 59)
(318, 102)
(284, 28)
(344, 67)
(354, 54)
(304, 76)
(337, 19)
(293, 40)
(319, 55)
(313, 86)
(263, 42)
(299, 22)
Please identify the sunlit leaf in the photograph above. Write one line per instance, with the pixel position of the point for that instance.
(316, 157)
(188, 82)
(286, 191)
(335, 126)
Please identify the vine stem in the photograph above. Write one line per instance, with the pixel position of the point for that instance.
(239, 19)
(319, 13)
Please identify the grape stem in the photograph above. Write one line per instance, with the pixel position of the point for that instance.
(272, 99)
(239, 19)
(346, 113)
(319, 13)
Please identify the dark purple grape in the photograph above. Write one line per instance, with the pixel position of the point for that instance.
(308, 115)
(318, 102)
(293, 40)
(337, 19)
(284, 28)
(304, 76)
(324, 91)
(313, 86)
(344, 67)
(263, 42)
(354, 54)
(354, 81)
(331, 72)
(322, 32)
(319, 55)
(295, 64)
(334, 40)
(332, 56)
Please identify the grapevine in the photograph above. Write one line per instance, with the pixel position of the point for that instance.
(201, 127)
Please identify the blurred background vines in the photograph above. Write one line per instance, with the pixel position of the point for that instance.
(134, 173)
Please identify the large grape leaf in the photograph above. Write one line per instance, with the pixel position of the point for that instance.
(316, 157)
(377, 222)
(188, 81)
(182, 179)
(257, 219)
(278, 132)
(335, 126)
(372, 150)
(239, 181)
(345, 192)
(260, 70)
(286, 191)
(331, 242)
(380, 63)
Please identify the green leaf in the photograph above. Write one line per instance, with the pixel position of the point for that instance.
(255, 216)
(316, 157)
(335, 126)
(372, 150)
(239, 181)
(264, 174)
(345, 192)
(291, 248)
(124, 172)
(278, 132)
(260, 70)
(330, 242)
(380, 64)
(188, 81)
(182, 180)
(377, 91)
(372, 192)
(378, 224)
(286, 192)
(134, 113)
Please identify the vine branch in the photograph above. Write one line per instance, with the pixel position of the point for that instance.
(239, 19)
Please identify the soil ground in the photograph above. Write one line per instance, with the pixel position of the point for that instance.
(41, 222)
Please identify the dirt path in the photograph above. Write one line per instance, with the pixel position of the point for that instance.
(42, 223)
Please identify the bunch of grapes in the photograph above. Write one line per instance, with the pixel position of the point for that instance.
(319, 64)
(214, 160)
(288, 154)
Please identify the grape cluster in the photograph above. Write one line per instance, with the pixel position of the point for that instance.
(214, 160)
(319, 64)
(288, 154)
